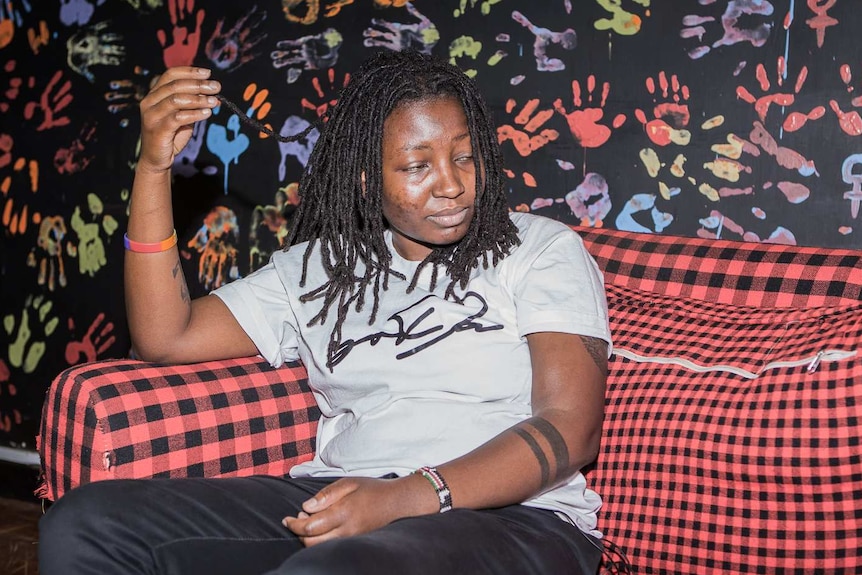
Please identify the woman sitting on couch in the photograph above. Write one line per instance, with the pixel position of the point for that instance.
(457, 353)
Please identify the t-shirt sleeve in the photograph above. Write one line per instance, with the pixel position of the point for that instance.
(261, 305)
(560, 288)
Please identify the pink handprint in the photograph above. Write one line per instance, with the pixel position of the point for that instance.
(52, 101)
(184, 45)
(526, 141)
(794, 120)
(584, 122)
(93, 344)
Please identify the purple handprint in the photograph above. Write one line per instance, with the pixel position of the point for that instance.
(231, 49)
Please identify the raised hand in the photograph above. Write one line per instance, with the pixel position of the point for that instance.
(178, 98)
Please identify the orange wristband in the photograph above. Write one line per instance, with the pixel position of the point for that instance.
(145, 248)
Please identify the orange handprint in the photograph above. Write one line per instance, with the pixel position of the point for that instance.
(328, 101)
(53, 100)
(259, 107)
(185, 41)
(794, 120)
(38, 38)
(216, 242)
(584, 122)
(47, 256)
(526, 141)
(669, 118)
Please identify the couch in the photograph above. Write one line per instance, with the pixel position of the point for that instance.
(733, 412)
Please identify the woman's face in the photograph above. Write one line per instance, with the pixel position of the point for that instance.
(429, 180)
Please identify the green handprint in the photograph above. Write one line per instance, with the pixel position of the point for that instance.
(91, 247)
(22, 352)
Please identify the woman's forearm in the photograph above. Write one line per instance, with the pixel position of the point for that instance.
(524, 461)
(157, 297)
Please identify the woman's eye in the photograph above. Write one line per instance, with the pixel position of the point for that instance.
(467, 158)
(415, 168)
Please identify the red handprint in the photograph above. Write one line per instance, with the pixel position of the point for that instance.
(92, 344)
(794, 120)
(75, 157)
(850, 121)
(669, 118)
(13, 90)
(184, 46)
(323, 107)
(526, 141)
(584, 122)
(51, 103)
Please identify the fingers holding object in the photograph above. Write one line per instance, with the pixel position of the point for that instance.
(185, 97)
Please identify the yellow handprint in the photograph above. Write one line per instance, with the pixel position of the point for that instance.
(22, 352)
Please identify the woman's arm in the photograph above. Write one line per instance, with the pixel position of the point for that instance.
(561, 437)
(165, 324)
(544, 451)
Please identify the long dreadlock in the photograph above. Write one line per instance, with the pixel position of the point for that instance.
(348, 221)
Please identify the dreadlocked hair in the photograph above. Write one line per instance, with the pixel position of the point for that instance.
(346, 218)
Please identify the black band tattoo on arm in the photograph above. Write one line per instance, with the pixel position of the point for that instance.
(598, 350)
(537, 451)
(559, 449)
(555, 439)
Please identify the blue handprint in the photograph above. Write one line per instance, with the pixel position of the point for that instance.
(77, 11)
(300, 149)
(228, 148)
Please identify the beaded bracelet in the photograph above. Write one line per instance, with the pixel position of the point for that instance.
(440, 487)
(146, 248)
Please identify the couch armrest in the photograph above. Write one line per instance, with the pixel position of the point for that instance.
(130, 419)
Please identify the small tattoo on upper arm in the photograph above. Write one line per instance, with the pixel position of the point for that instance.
(184, 289)
(598, 350)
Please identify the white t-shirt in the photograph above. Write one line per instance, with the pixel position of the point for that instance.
(431, 379)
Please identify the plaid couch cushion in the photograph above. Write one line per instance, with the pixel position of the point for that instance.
(732, 437)
(129, 419)
(724, 271)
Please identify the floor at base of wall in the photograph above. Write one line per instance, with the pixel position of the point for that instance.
(20, 511)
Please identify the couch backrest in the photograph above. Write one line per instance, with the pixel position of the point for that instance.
(734, 406)
(725, 271)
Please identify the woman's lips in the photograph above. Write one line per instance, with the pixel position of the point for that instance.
(450, 218)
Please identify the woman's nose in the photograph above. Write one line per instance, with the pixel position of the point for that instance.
(450, 183)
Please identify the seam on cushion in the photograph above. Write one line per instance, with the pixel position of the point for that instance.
(812, 362)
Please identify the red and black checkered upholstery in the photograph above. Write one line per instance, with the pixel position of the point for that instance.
(732, 428)
(130, 419)
(706, 468)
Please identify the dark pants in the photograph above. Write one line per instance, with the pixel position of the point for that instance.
(233, 526)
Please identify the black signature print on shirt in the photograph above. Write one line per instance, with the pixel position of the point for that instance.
(416, 331)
